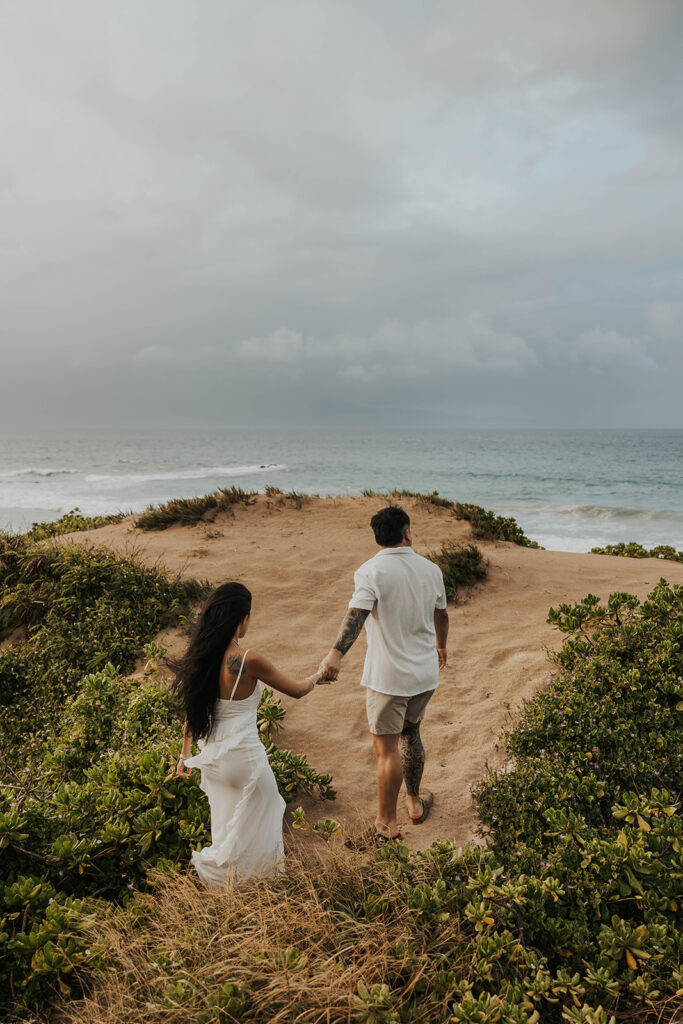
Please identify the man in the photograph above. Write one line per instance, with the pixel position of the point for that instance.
(401, 599)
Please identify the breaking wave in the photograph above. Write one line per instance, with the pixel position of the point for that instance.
(203, 473)
(32, 471)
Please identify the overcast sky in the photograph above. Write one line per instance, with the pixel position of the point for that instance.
(294, 212)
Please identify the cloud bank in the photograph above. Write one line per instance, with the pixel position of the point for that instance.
(232, 214)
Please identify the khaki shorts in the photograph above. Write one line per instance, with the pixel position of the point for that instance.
(387, 712)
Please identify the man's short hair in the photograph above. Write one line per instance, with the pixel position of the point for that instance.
(388, 525)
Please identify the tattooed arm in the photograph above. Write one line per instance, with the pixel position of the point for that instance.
(348, 634)
(350, 629)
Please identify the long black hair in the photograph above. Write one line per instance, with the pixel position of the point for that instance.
(197, 672)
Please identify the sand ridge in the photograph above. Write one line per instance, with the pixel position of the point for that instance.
(299, 565)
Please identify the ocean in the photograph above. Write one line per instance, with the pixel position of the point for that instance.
(569, 489)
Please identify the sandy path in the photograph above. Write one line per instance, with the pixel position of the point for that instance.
(299, 565)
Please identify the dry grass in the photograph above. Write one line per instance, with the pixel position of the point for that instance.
(297, 947)
(664, 1011)
(426, 500)
(277, 496)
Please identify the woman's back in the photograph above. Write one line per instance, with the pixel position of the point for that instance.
(235, 683)
(220, 687)
(246, 807)
(234, 721)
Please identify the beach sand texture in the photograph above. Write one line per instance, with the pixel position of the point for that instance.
(299, 565)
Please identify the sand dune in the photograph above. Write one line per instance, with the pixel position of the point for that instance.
(299, 565)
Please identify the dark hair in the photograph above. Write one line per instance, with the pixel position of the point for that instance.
(388, 525)
(197, 672)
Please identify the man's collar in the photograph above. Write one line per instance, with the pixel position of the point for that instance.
(399, 549)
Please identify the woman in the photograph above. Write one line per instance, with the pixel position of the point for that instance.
(218, 683)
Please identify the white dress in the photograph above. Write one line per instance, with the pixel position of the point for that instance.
(246, 807)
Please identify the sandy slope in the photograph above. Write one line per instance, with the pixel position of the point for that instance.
(299, 565)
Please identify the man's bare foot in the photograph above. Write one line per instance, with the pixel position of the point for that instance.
(391, 831)
(414, 805)
(419, 807)
(375, 835)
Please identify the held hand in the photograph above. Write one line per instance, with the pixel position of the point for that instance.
(330, 666)
(182, 770)
(310, 681)
(443, 657)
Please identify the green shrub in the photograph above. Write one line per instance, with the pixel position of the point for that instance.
(72, 522)
(462, 566)
(100, 809)
(608, 723)
(633, 549)
(591, 797)
(82, 608)
(486, 525)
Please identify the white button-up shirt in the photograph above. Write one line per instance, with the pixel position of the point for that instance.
(400, 589)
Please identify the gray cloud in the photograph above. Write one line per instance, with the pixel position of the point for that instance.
(282, 346)
(386, 212)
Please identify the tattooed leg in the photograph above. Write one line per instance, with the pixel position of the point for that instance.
(412, 761)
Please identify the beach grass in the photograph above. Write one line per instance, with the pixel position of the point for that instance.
(425, 498)
(190, 511)
(328, 941)
(281, 498)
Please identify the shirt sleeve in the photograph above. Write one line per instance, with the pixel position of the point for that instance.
(441, 600)
(364, 594)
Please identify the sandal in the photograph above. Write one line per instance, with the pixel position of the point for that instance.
(427, 804)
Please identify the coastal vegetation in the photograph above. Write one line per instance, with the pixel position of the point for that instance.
(280, 498)
(486, 525)
(190, 511)
(632, 549)
(89, 800)
(425, 498)
(462, 565)
(72, 522)
(571, 913)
